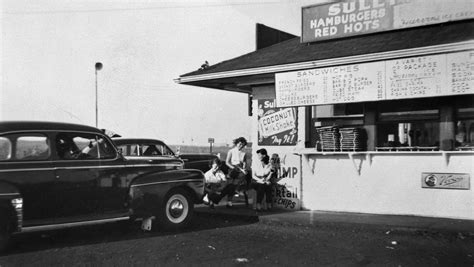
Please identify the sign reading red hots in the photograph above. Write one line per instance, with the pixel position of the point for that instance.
(356, 17)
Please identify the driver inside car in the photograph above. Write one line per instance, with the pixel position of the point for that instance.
(66, 148)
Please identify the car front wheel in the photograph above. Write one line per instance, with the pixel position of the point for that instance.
(177, 210)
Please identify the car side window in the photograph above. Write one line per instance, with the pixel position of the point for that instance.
(166, 150)
(83, 146)
(124, 149)
(151, 150)
(5, 149)
(135, 150)
(32, 147)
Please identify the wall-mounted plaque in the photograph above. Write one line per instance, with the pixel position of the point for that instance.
(445, 180)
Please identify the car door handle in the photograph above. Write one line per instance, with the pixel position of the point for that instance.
(56, 175)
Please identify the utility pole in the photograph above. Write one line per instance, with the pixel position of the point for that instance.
(98, 66)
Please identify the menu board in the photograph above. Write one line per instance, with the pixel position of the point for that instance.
(460, 72)
(424, 76)
(416, 77)
(350, 83)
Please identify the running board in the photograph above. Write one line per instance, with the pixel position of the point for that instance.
(27, 229)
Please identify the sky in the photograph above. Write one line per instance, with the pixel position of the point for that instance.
(50, 47)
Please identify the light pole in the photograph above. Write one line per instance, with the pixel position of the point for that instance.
(98, 66)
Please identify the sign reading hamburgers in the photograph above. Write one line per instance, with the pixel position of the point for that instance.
(355, 17)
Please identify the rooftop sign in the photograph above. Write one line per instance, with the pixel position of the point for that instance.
(356, 17)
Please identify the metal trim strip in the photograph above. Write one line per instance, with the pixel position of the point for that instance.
(68, 225)
(92, 167)
(167, 182)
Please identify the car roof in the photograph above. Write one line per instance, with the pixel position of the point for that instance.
(13, 126)
(121, 140)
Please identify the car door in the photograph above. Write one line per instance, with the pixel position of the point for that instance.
(25, 162)
(88, 183)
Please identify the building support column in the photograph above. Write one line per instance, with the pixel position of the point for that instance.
(370, 125)
(446, 127)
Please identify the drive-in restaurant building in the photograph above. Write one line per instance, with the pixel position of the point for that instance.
(371, 110)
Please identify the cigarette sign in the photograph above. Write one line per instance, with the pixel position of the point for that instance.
(445, 180)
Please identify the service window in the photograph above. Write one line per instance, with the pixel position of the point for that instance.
(348, 117)
(349, 114)
(408, 124)
(464, 130)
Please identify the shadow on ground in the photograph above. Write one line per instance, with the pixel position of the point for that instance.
(113, 232)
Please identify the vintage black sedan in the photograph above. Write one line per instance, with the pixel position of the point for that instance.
(150, 149)
(56, 175)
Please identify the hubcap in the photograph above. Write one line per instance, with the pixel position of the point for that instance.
(176, 208)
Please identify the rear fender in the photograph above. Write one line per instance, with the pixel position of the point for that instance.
(148, 191)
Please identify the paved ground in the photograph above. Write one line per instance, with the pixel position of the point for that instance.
(239, 237)
(315, 218)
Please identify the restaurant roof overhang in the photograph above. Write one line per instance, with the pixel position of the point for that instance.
(242, 73)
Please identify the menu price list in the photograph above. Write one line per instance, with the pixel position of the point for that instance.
(461, 72)
(354, 87)
(350, 83)
(415, 77)
(424, 76)
(295, 91)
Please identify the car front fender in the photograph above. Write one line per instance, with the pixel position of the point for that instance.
(148, 191)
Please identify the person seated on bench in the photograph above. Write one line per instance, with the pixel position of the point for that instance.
(237, 162)
(215, 181)
(262, 173)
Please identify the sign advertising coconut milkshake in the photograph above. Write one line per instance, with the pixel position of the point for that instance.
(276, 126)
